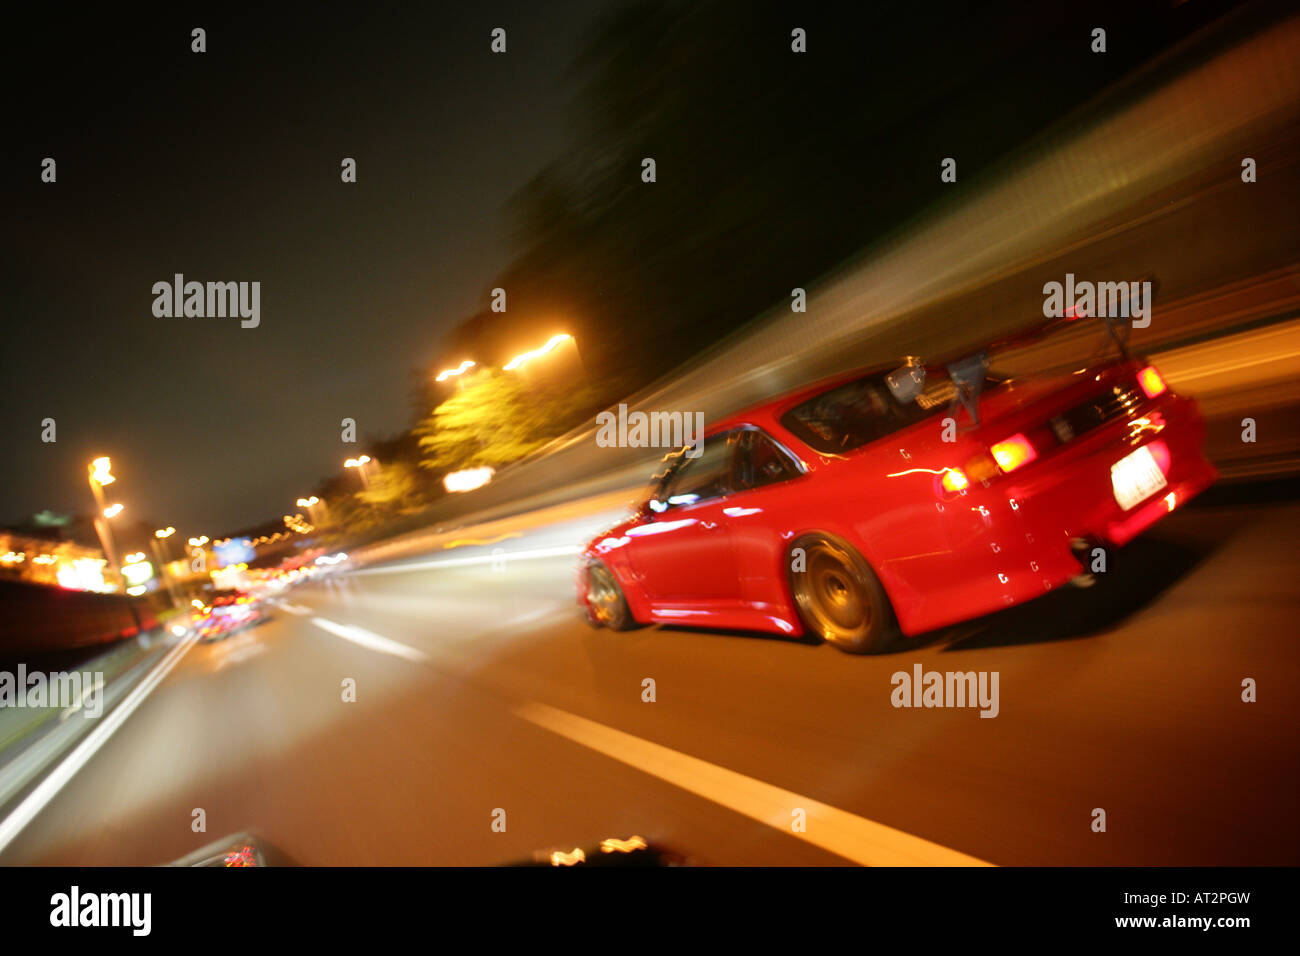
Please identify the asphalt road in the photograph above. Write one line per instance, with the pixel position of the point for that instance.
(478, 689)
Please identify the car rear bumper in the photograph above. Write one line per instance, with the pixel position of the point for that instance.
(1013, 539)
(1075, 496)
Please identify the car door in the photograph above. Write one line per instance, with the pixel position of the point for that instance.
(683, 552)
(770, 500)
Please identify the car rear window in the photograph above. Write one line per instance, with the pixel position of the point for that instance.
(859, 412)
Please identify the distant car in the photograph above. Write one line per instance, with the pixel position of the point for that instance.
(230, 611)
(855, 510)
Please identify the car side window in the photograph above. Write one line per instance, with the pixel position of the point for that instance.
(701, 478)
(764, 462)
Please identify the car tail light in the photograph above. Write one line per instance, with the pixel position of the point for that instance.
(1151, 381)
(954, 480)
(1014, 452)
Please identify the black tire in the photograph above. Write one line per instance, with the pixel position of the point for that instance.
(606, 605)
(839, 597)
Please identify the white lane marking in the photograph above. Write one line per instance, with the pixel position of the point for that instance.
(295, 608)
(58, 778)
(505, 557)
(369, 640)
(844, 834)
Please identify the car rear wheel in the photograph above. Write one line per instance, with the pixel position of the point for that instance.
(606, 606)
(839, 597)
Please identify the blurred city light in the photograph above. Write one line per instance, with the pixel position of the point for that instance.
(136, 570)
(99, 471)
(553, 343)
(234, 551)
(458, 370)
(112, 511)
(83, 574)
(467, 480)
(164, 533)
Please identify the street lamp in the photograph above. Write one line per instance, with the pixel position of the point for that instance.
(554, 342)
(159, 555)
(100, 473)
(316, 509)
(360, 465)
(456, 372)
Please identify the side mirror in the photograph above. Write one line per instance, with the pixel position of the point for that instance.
(644, 509)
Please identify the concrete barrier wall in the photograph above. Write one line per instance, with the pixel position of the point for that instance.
(38, 618)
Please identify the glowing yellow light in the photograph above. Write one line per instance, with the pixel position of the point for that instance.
(112, 511)
(164, 533)
(467, 480)
(612, 845)
(554, 342)
(458, 370)
(137, 571)
(560, 858)
(99, 471)
(84, 574)
(954, 479)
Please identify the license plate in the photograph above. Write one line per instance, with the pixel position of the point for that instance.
(1135, 478)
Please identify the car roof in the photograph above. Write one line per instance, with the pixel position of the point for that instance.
(770, 411)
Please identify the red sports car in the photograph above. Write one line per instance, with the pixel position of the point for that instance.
(880, 505)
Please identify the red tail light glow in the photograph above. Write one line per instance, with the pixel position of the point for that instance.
(954, 480)
(1013, 452)
(1151, 381)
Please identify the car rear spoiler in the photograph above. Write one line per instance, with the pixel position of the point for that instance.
(968, 371)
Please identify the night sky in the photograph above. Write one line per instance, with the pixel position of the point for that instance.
(224, 166)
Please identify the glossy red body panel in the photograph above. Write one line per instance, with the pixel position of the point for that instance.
(941, 557)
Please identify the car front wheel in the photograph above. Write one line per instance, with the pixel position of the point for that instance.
(606, 606)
